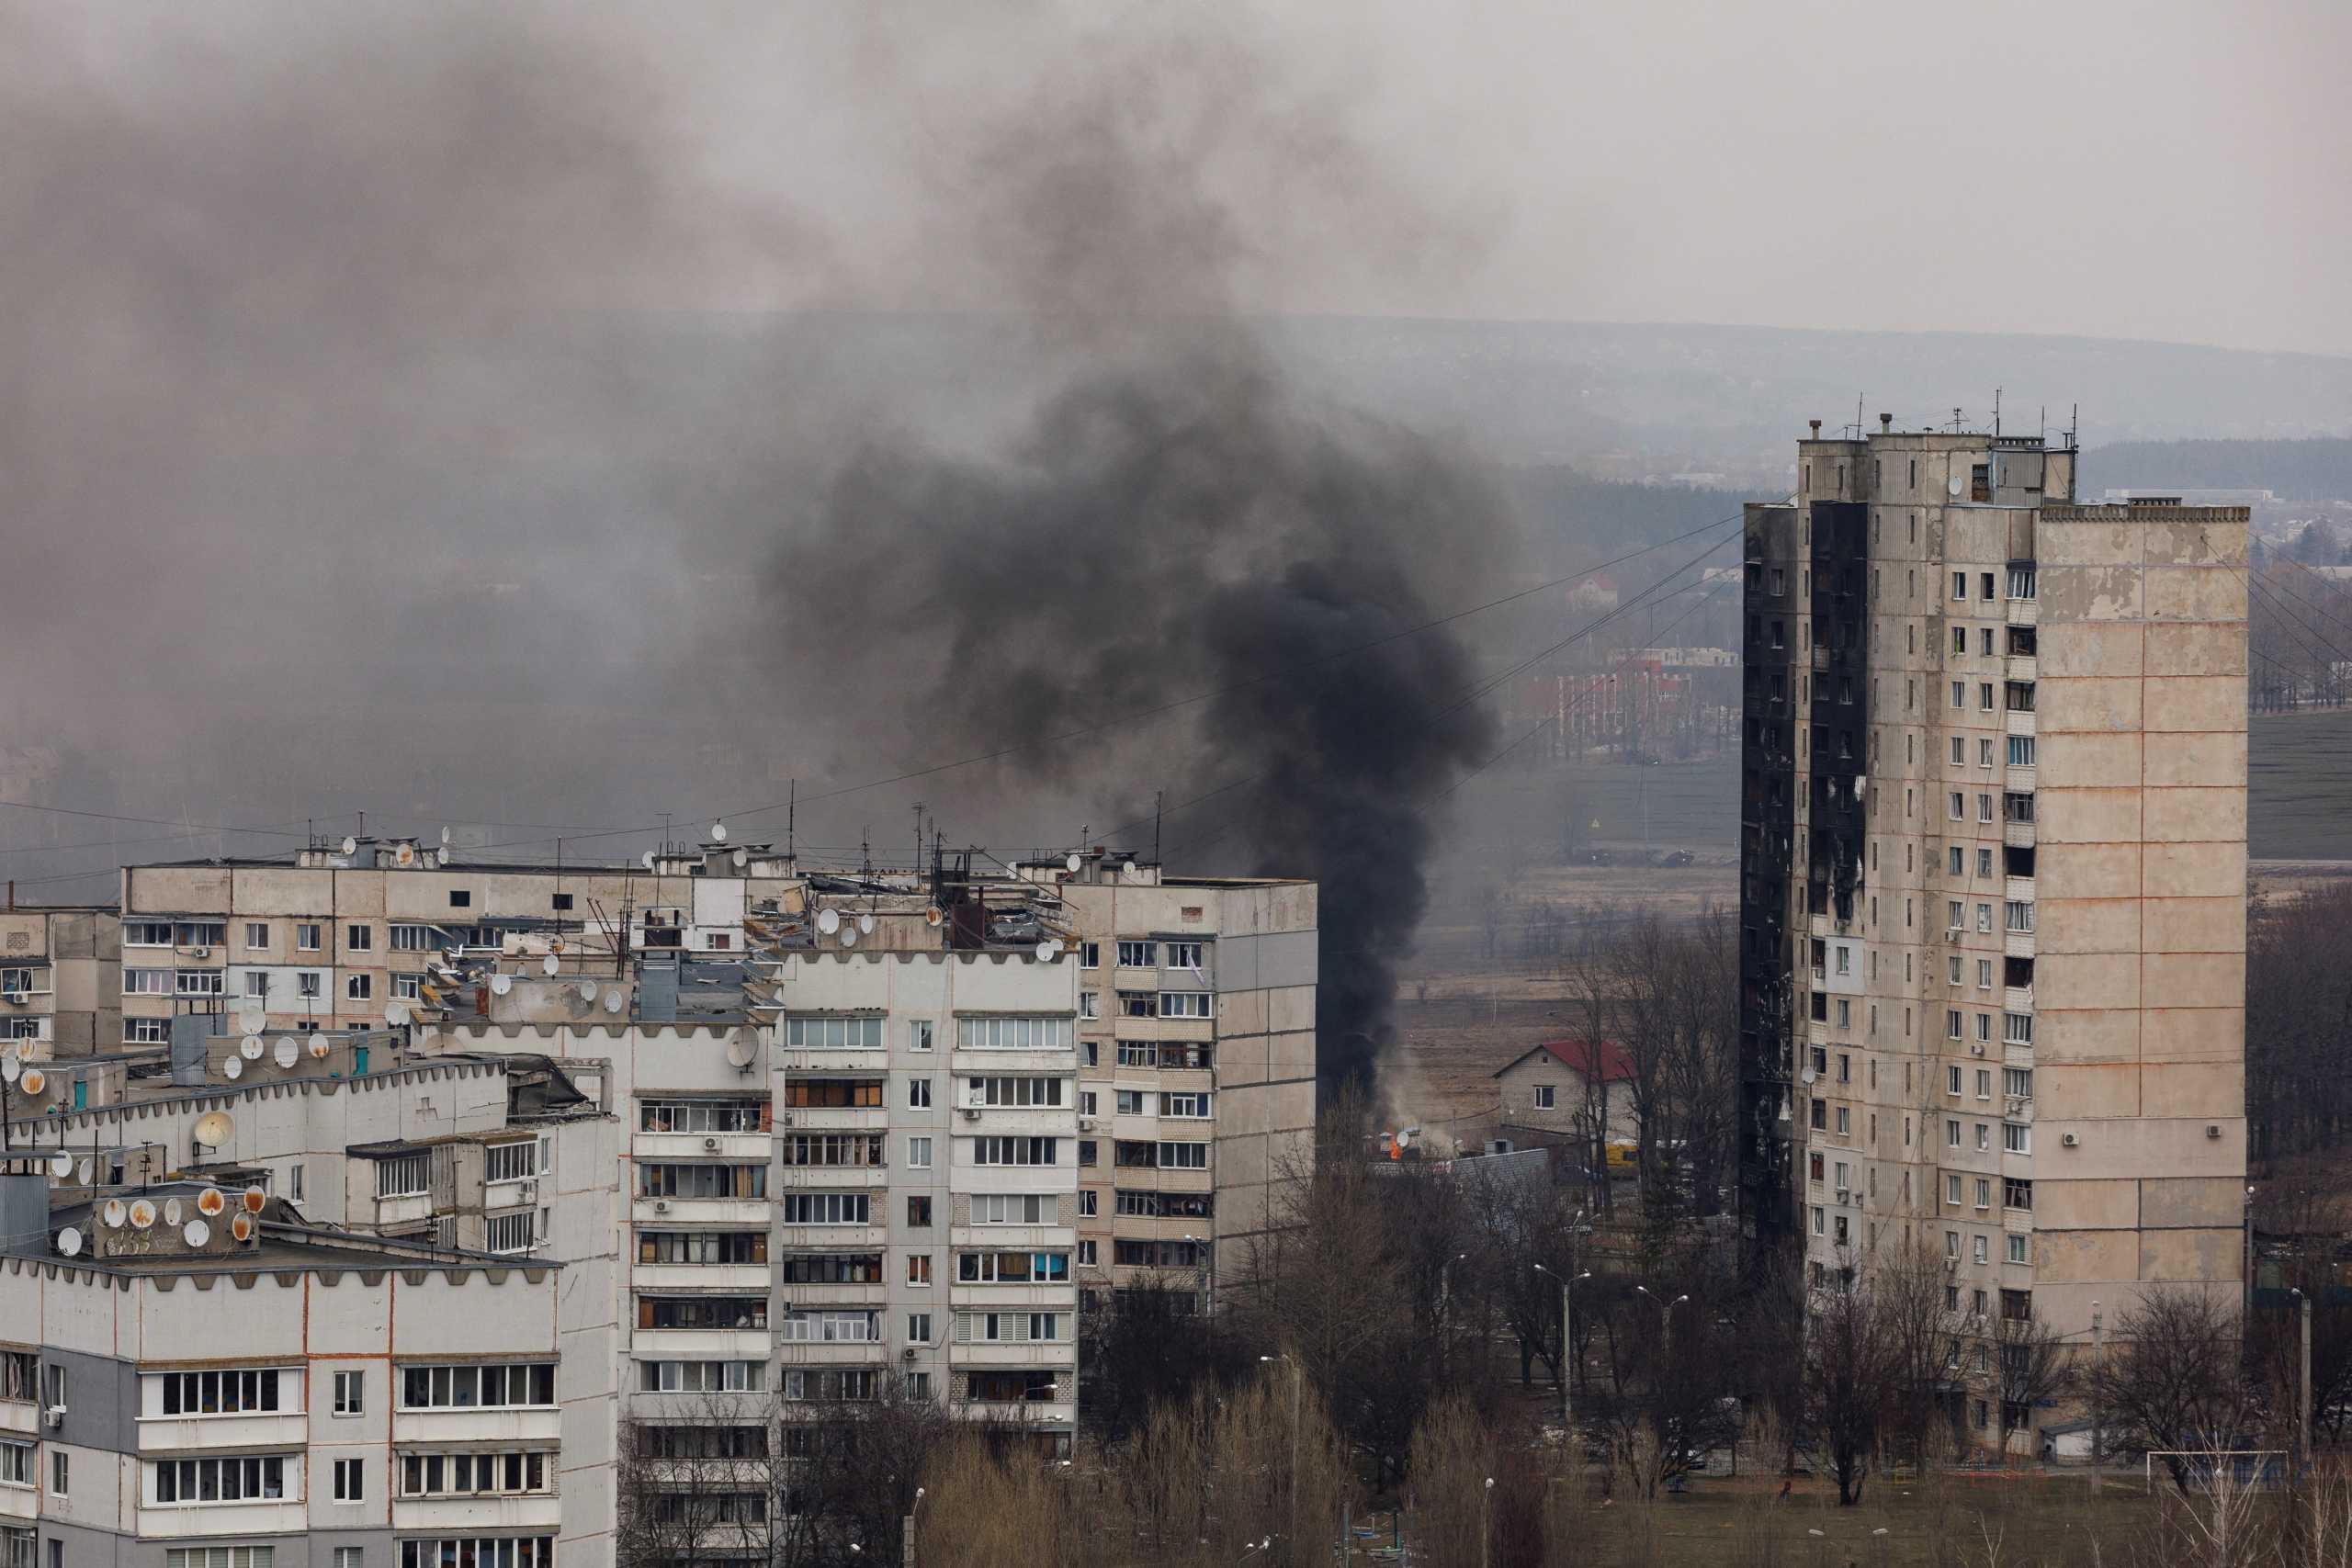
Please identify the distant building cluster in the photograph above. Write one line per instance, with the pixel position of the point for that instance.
(371, 1205)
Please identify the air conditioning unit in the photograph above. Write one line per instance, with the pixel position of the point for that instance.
(2016, 1103)
(200, 952)
(1844, 1193)
(2068, 1139)
(526, 1192)
(711, 1143)
(1086, 1123)
(660, 1205)
(971, 1113)
(907, 1353)
(19, 998)
(54, 1418)
(783, 1118)
(1976, 1050)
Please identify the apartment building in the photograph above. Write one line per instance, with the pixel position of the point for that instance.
(1197, 1071)
(60, 994)
(349, 935)
(194, 1377)
(1992, 898)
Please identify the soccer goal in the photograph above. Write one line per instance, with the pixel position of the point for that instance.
(2243, 1470)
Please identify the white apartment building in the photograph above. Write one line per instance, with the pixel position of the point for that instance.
(1994, 879)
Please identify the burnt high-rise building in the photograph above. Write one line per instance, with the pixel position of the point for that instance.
(1993, 897)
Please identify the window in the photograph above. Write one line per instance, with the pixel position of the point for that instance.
(356, 988)
(306, 985)
(2021, 751)
(1845, 1120)
(1951, 1190)
(1984, 974)
(407, 988)
(1983, 1192)
(2016, 1138)
(1984, 752)
(833, 1033)
(1012, 1033)
(824, 1209)
(530, 1551)
(514, 1232)
(919, 1035)
(146, 934)
(1951, 1244)
(666, 1180)
(919, 1094)
(1184, 1004)
(1015, 1151)
(918, 1269)
(460, 899)
(522, 1474)
(917, 1213)
(256, 933)
(1012, 1208)
(17, 1465)
(1090, 955)
(832, 1269)
(1139, 1004)
(501, 1386)
(349, 1481)
(1086, 1254)
(1090, 1005)
(2021, 583)
(1983, 1078)
(2017, 1082)
(561, 900)
(146, 982)
(1979, 1251)
(1011, 1267)
(146, 1030)
(1959, 640)
(1953, 1022)
(700, 1115)
(918, 1153)
(1139, 955)
(1193, 1106)
(199, 933)
(1183, 955)
(245, 1479)
(833, 1094)
(1820, 1220)
(1960, 585)
(1014, 1092)
(510, 1162)
(1088, 1202)
(2017, 1193)
(306, 936)
(1960, 694)
(256, 982)
(1543, 1097)
(1959, 805)
(197, 983)
(1958, 751)
(2018, 1249)
(2020, 915)
(350, 1392)
(357, 939)
(1983, 1136)
(1951, 1133)
(700, 1377)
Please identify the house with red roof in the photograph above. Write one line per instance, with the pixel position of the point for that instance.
(1561, 1086)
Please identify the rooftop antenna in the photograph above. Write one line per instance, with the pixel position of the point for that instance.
(918, 833)
(1996, 413)
(665, 833)
(791, 819)
(1159, 797)
(1955, 421)
(363, 824)
(1858, 416)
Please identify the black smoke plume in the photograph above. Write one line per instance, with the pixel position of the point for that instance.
(1179, 525)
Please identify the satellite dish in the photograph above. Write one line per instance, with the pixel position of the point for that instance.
(587, 991)
(142, 1215)
(866, 924)
(171, 1214)
(61, 1166)
(550, 963)
(286, 1055)
(396, 1013)
(234, 1067)
(197, 1231)
(1952, 485)
(69, 1241)
(255, 1199)
(115, 1212)
(1050, 950)
(249, 1047)
(211, 1202)
(501, 983)
(613, 1000)
(83, 1171)
(349, 844)
(718, 832)
(1805, 1077)
(444, 834)
(1075, 860)
(741, 858)
(829, 920)
(404, 855)
(647, 860)
(933, 916)
(34, 1080)
(241, 1227)
(251, 1007)
(849, 936)
(318, 1047)
(11, 1069)
(1131, 865)
(739, 1053)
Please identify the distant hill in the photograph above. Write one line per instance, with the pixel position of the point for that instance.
(2316, 468)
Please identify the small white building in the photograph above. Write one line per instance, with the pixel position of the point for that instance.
(1564, 1086)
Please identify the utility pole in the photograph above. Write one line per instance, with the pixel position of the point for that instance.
(2098, 1345)
(2303, 1386)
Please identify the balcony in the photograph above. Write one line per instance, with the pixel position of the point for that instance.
(676, 1211)
(2018, 998)
(462, 1516)
(534, 1427)
(699, 1344)
(750, 1278)
(831, 1353)
(745, 1147)
(796, 1295)
(262, 1516)
(1059, 1297)
(2025, 611)
(1020, 1413)
(835, 1178)
(2017, 944)
(186, 1434)
(2021, 889)
(2018, 835)
(2017, 721)
(1058, 1354)
(2019, 667)
(2019, 781)
(1014, 1238)
(827, 1119)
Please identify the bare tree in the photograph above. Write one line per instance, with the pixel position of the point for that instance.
(2031, 1366)
(2171, 1379)
(1852, 1362)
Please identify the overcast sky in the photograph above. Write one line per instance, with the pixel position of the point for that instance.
(2169, 169)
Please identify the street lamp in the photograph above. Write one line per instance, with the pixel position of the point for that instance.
(1207, 1264)
(1485, 1509)
(1296, 1378)
(913, 1509)
(1567, 1348)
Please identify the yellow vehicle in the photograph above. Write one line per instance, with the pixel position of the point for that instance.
(1622, 1155)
